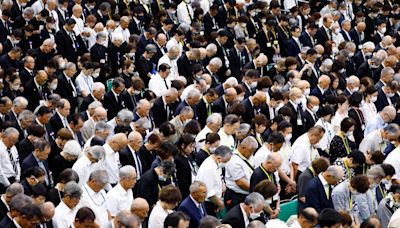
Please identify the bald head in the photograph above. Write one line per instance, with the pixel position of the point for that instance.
(312, 101)
(295, 93)
(48, 210)
(230, 94)
(387, 41)
(388, 114)
(135, 140)
(99, 114)
(353, 83)
(324, 81)
(118, 142)
(140, 208)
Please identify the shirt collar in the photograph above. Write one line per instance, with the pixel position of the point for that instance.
(195, 202)
(5, 203)
(16, 224)
(323, 181)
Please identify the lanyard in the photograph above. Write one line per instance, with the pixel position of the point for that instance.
(383, 192)
(245, 160)
(345, 142)
(312, 171)
(266, 173)
(351, 201)
(347, 170)
(207, 151)
(284, 31)
(365, 168)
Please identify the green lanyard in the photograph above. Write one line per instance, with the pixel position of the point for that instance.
(266, 173)
(345, 142)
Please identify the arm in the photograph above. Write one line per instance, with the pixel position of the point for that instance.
(243, 184)
(294, 168)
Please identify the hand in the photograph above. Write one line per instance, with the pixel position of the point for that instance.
(275, 213)
(228, 73)
(220, 205)
(292, 184)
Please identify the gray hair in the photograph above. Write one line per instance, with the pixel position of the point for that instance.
(392, 129)
(143, 123)
(368, 45)
(214, 118)
(130, 221)
(99, 176)
(250, 142)
(95, 104)
(304, 49)
(125, 116)
(98, 86)
(126, 171)
(186, 110)
(15, 189)
(387, 70)
(19, 201)
(97, 152)
(10, 131)
(29, 11)
(101, 35)
(350, 45)
(212, 48)
(244, 128)
(222, 151)
(376, 173)
(231, 82)
(20, 101)
(70, 65)
(216, 62)
(254, 199)
(194, 93)
(101, 126)
(26, 115)
(54, 99)
(195, 186)
(73, 190)
(335, 171)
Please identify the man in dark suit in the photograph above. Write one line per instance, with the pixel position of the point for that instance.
(210, 20)
(221, 104)
(365, 68)
(193, 204)
(222, 53)
(27, 72)
(224, 12)
(130, 154)
(69, 45)
(386, 95)
(325, 33)
(307, 36)
(59, 119)
(164, 107)
(11, 58)
(254, 105)
(297, 115)
(203, 107)
(145, 39)
(312, 73)
(113, 102)
(319, 191)
(5, 25)
(38, 158)
(252, 206)
(43, 116)
(33, 89)
(144, 63)
(97, 94)
(66, 86)
(103, 12)
(357, 34)
(294, 45)
(320, 90)
(237, 58)
(310, 114)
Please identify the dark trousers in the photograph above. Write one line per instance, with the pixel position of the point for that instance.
(232, 198)
(211, 208)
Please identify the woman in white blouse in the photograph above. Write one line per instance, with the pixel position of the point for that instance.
(368, 107)
(341, 112)
(325, 122)
(169, 198)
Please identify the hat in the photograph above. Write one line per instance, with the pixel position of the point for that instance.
(73, 148)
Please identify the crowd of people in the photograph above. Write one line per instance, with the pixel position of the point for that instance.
(197, 113)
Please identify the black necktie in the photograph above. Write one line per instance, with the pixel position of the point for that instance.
(190, 16)
(13, 163)
(166, 84)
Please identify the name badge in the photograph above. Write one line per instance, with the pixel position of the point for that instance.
(269, 44)
(276, 42)
(360, 46)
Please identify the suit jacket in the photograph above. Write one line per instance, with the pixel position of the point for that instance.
(234, 217)
(317, 92)
(356, 38)
(6, 222)
(25, 76)
(30, 162)
(65, 90)
(316, 196)
(56, 123)
(183, 173)
(306, 40)
(293, 48)
(345, 36)
(297, 129)
(382, 101)
(12, 118)
(209, 25)
(112, 105)
(251, 110)
(322, 36)
(309, 120)
(144, 66)
(219, 106)
(5, 29)
(222, 16)
(358, 59)
(3, 210)
(160, 112)
(86, 102)
(365, 70)
(67, 47)
(148, 187)
(202, 112)
(190, 209)
(33, 94)
(24, 147)
(126, 157)
(236, 63)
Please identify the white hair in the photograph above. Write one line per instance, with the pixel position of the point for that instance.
(98, 86)
(216, 62)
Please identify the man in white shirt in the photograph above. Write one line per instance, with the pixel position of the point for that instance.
(170, 58)
(76, 15)
(210, 173)
(238, 172)
(140, 208)
(160, 82)
(273, 144)
(123, 28)
(38, 6)
(10, 167)
(387, 115)
(307, 218)
(111, 162)
(88, 162)
(304, 151)
(95, 197)
(120, 197)
(231, 125)
(84, 81)
(185, 12)
(65, 211)
(213, 123)
(378, 140)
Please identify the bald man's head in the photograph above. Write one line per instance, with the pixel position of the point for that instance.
(140, 208)
(295, 95)
(99, 114)
(118, 142)
(135, 140)
(324, 81)
(230, 94)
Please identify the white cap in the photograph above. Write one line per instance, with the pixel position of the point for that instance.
(72, 147)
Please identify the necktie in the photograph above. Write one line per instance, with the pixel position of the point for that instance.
(190, 15)
(299, 119)
(166, 84)
(13, 162)
(41, 165)
(65, 122)
(138, 164)
(201, 211)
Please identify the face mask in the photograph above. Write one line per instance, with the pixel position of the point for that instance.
(221, 165)
(355, 89)
(252, 14)
(212, 149)
(267, 202)
(254, 215)
(374, 99)
(337, 31)
(136, 92)
(96, 75)
(315, 109)
(387, 183)
(383, 30)
(298, 101)
(351, 54)
(162, 178)
(15, 87)
(62, 65)
(390, 94)
(15, 42)
(53, 86)
(349, 133)
(288, 137)
(342, 71)
(264, 21)
(243, 25)
(307, 91)
(253, 84)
